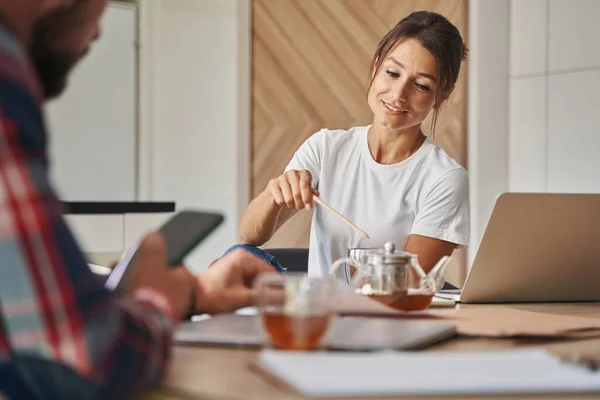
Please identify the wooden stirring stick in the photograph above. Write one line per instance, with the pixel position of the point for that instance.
(340, 216)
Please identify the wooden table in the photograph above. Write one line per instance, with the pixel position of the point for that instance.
(221, 373)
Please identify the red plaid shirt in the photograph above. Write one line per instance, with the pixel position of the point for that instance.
(60, 330)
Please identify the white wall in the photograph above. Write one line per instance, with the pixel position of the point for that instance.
(487, 110)
(533, 84)
(93, 125)
(555, 78)
(194, 72)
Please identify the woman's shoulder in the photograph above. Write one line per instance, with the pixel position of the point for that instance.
(333, 134)
(327, 143)
(442, 166)
(439, 159)
(333, 137)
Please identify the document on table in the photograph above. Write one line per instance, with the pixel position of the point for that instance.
(417, 373)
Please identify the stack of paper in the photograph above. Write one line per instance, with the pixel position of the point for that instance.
(405, 373)
(508, 322)
(475, 320)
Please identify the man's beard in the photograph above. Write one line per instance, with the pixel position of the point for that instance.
(53, 71)
(52, 64)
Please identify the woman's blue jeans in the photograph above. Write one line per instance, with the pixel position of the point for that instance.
(260, 253)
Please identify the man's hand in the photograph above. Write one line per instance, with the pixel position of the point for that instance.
(149, 270)
(227, 284)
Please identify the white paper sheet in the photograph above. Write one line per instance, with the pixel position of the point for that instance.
(99, 269)
(398, 373)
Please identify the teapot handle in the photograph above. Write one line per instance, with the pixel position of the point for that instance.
(435, 277)
(342, 261)
(440, 267)
(437, 272)
(417, 268)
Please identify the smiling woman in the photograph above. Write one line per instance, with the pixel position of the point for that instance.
(387, 177)
(439, 55)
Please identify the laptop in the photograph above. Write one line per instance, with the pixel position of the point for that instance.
(538, 247)
(345, 333)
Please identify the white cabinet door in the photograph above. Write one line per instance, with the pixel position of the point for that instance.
(93, 125)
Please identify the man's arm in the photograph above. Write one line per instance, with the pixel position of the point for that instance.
(53, 309)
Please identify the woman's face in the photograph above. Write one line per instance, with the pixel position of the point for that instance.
(404, 89)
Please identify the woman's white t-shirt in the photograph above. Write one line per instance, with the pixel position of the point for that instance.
(427, 194)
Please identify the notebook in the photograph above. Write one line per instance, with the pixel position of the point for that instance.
(427, 373)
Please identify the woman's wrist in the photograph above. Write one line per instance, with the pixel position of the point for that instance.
(270, 199)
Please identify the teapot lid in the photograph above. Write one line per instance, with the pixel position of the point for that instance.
(389, 255)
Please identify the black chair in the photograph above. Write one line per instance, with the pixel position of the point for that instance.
(296, 260)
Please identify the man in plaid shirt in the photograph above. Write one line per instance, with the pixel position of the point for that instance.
(62, 335)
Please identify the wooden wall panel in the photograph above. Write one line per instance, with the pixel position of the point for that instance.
(310, 65)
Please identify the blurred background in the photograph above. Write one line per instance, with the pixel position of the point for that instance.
(201, 102)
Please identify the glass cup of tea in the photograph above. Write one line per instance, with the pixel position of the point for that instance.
(294, 310)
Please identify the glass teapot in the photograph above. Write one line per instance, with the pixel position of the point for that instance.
(392, 277)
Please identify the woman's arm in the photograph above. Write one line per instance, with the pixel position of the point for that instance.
(429, 250)
(281, 199)
(262, 218)
(442, 222)
(284, 195)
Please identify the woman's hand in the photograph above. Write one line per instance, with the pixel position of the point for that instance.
(293, 190)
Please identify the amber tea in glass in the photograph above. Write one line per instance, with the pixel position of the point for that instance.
(294, 310)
